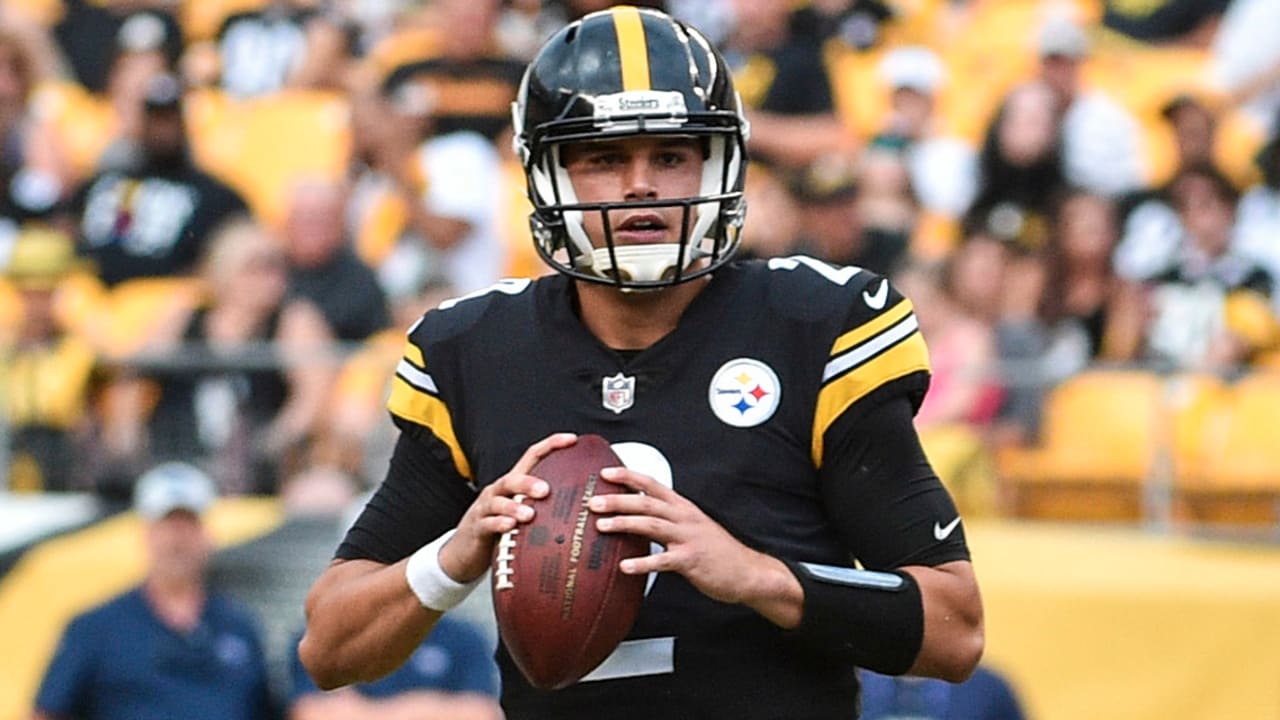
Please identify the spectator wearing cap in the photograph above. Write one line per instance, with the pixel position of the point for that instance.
(153, 216)
(170, 647)
(943, 168)
(143, 49)
(44, 370)
(1101, 141)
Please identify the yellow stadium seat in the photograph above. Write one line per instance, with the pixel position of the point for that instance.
(83, 124)
(1100, 432)
(261, 146)
(134, 308)
(1233, 474)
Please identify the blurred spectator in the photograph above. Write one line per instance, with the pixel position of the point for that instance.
(1258, 218)
(1244, 59)
(282, 44)
(1209, 304)
(458, 211)
(93, 34)
(986, 695)
(323, 266)
(34, 173)
(171, 647)
(141, 54)
(1062, 310)
(1151, 228)
(942, 167)
(153, 218)
(847, 218)
(957, 304)
(782, 77)
(247, 377)
(46, 370)
(1101, 141)
(469, 83)
(1021, 166)
(451, 675)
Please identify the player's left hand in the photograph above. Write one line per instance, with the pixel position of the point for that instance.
(695, 546)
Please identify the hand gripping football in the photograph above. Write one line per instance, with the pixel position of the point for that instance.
(561, 602)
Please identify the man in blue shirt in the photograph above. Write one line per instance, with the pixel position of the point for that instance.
(169, 648)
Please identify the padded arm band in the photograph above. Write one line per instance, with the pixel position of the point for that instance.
(875, 618)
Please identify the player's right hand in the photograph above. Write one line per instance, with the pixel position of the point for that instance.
(496, 510)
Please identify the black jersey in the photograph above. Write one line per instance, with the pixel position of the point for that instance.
(744, 408)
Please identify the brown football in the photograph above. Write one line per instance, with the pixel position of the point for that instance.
(562, 604)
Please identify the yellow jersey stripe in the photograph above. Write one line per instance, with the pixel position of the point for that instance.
(876, 326)
(418, 406)
(633, 51)
(908, 356)
(413, 354)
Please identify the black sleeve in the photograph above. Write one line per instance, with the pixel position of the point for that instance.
(421, 497)
(889, 507)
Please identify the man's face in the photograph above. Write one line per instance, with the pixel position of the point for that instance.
(178, 546)
(633, 169)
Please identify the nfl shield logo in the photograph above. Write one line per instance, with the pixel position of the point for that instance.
(618, 392)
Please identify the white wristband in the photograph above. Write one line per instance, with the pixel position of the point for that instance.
(434, 588)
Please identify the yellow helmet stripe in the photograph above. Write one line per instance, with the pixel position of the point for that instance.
(633, 51)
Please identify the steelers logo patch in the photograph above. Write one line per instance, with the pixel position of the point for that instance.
(744, 392)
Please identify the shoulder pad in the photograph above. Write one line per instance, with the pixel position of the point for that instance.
(456, 315)
(807, 289)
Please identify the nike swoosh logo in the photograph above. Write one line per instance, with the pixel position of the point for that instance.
(942, 533)
(876, 301)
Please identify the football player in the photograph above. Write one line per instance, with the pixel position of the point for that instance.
(763, 410)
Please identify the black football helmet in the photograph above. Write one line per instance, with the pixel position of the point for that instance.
(621, 72)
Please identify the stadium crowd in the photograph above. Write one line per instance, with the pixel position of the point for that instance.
(217, 218)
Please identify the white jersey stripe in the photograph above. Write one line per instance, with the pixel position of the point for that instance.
(859, 354)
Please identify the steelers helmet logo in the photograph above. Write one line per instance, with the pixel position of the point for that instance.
(744, 392)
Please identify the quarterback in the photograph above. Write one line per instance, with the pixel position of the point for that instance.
(763, 409)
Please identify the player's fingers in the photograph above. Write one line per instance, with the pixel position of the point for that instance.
(657, 562)
(517, 483)
(637, 481)
(513, 507)
(539, 450)
(657, 529)
(629, 504)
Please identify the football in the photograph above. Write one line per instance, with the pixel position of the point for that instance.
(562, 605)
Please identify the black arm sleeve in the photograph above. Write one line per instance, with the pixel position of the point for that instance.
(887, 504)
(421, 497)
